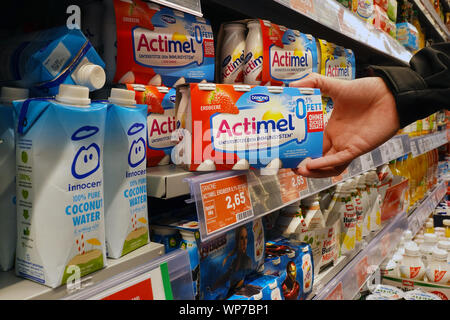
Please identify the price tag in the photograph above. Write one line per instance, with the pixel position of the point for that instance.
(337, 293)
(414, 150)
(421, 147)
(305, 7)
(361, 270)
(225, 202)
(291, 185)
(366, 162)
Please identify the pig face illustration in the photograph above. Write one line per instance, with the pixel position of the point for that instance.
(137, 151)
(87, 159)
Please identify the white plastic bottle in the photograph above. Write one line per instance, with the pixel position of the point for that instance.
(7, 176)
(232, 55)
(438, 270)
(357, 202)
(313, 215)
(253, 53)
(426, 249)
(445, 245)
(412, 266)
(364, 196)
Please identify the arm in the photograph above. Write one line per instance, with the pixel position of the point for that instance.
(424, 87)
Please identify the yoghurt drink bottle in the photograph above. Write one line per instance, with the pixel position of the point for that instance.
(253, 54)
(126, 217)
(438, 270)
(59, 172)
(7, 176)
(411, 266)
(232, 55)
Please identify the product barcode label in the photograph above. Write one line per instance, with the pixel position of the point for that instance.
(244, 215)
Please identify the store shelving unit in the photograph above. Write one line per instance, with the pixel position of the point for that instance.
(347, 282)
(269, 193)
(15, 288)
(433, 18)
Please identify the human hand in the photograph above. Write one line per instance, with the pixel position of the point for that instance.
(364, 117)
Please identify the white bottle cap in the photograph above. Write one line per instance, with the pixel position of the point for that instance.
(412, 251)
(444, 245)
(407, 235)
(397, 257)
(252, 23)
(9, 94)
(73, 95)
(122, 97)
(440, 254)
(439, 229)
(429, 224)
(92, 76)
(446, 222)
(430, 238)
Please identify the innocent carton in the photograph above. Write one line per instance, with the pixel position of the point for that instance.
(224, 127)
(126, 217)
(59, 170)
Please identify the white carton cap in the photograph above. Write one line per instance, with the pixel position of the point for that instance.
(440, 254)
(9, 94)
(430, 237)
(234, 25)
(122, 97)
(73, 95)
(91, 76)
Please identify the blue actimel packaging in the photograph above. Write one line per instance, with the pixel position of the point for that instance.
(60, 207)
(126, 217)
(292, 262)
(45, 59)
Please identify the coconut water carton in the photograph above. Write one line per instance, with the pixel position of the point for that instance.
(59, 169)
(125, 174)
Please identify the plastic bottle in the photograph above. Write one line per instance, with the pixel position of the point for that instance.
(348, 219)
(232, 55)
(8, 220)
(445, 245)
(313, 215)
(365, 204)
(430, 241)
(429, 227)
(253, 54)
(446, 223)
(438, 270)
(412, 266)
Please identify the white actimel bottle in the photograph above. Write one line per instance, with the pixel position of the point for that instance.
(438, 270)
(253, 54)
(232, 55)
(412, 266)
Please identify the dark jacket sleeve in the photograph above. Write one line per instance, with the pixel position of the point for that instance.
(424, 87)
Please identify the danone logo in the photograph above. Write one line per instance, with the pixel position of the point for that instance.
(168, 19)
(259, 98)
(173, 98)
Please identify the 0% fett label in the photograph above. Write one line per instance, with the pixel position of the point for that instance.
(225, 202)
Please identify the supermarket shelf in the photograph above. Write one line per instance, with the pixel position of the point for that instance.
(335, 16)
(271, 193)
(188, 6)
(347, 283)
(15, 288)
(420, 214)
(179, 272)
(423, 144)
(349, 279)
(433, 18)
(167, 181)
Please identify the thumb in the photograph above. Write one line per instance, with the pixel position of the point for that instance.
(328, 86)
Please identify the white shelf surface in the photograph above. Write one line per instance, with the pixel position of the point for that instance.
(16, 288)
